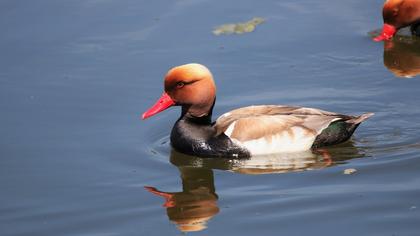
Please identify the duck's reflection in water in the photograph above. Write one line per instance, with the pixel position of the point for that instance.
(415, 29)
(196, 204)
(402, 56)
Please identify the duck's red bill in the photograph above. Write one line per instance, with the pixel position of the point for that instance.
(387, 32)
(163, 103)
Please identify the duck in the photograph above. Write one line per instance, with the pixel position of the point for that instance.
(398, 14)
(247, 131)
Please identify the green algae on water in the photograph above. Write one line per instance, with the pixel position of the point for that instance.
(239, 28)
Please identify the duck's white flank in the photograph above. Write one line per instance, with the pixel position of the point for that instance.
(296, 139)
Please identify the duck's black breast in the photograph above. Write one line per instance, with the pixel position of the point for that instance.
(194, 137)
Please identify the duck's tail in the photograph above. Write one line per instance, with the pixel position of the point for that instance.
(339, 131)
(359, 119)
(356, 121)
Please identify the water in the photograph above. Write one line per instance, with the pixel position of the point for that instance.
(75, 157)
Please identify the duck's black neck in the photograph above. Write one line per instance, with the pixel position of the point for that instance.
(199, 120)
(196, 136)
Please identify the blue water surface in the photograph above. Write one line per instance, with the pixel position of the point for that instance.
(75, 158)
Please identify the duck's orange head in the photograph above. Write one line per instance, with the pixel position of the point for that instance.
(398, 14)
(190, 86)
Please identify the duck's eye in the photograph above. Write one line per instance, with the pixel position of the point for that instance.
(180, 84)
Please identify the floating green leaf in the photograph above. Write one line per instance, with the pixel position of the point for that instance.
(239, 28)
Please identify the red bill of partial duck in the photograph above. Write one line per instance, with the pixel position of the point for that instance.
(247, 131)
(398, 14)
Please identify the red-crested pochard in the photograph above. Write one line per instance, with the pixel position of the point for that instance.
(247, 131)
(398, 14)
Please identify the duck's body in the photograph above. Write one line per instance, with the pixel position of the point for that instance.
(247, 131)
(398, 14)
(261, 130)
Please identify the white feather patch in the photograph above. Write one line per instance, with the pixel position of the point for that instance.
(298, 140)
(225, 115)
(229, 130)
(335, 119)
